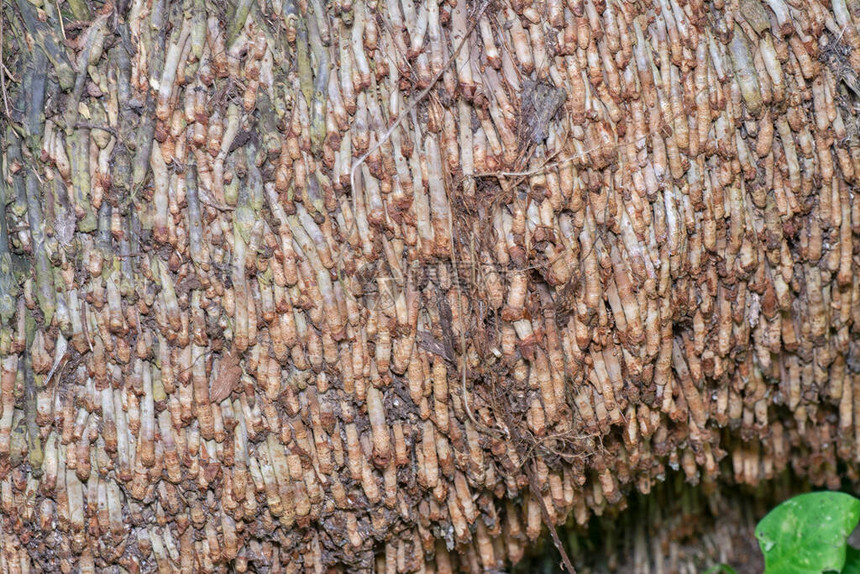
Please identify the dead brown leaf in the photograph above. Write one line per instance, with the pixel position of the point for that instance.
(229, 373)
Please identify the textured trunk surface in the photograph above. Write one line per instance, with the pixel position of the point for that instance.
(296, 286)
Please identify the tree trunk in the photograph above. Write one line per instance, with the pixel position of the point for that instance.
(294, 286)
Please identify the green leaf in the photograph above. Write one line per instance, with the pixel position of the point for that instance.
(721, 569)
(807, 534)
(852, 561)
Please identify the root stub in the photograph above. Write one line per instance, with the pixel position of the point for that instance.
(347, 286)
